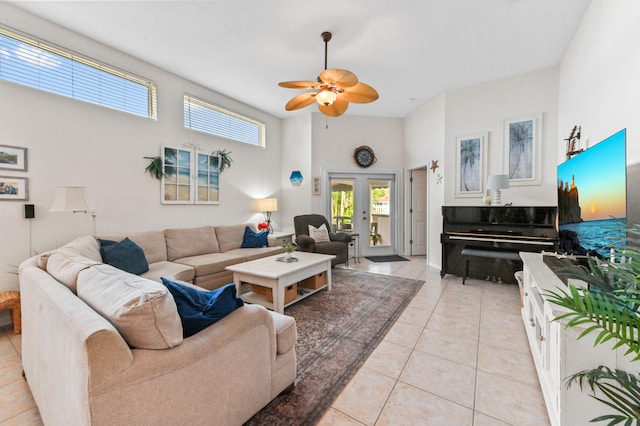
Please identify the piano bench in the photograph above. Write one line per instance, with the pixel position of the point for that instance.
(468, 253)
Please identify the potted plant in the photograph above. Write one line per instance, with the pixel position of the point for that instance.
(610, 306)
(225, 158)
(289, 248)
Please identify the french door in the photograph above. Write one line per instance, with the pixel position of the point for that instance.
(365, 204)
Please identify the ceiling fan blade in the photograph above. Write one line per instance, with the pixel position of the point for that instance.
(360, 93)
(301, 101)
(300, 84)
(335, 109)
(340, 78)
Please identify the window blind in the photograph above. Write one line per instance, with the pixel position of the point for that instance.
(206, 117)
(34, 63)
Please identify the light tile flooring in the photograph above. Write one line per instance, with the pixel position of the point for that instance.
(458, 355)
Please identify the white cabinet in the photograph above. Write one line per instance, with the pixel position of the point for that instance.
(556, 351)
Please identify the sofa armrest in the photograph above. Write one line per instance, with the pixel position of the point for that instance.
(340, 236)
(305, 243)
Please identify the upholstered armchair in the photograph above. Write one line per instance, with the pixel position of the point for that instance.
(338, 244)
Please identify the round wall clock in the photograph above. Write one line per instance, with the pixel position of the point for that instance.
(364, 156)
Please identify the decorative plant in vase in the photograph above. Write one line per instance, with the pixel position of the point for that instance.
(225, 158)
(155, 167)
(610, 307)
(289, 248)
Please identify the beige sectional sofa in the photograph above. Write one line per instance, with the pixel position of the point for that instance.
(101, 346)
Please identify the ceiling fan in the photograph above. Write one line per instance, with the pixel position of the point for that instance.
(332, 91)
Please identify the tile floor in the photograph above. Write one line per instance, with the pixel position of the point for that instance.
(457, 356)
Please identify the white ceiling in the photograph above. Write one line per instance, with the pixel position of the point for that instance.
(409, 50)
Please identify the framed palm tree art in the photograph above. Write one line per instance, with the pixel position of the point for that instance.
(523, 147)
(471, 165)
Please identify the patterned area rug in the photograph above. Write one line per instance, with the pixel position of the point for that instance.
(337, 331)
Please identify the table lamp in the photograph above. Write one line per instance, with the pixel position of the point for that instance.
(494, 184)
(267, 206)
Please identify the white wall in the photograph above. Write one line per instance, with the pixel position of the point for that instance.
(600, 87)
(424, 142)
(71, 142)
(483, 108)
(431, 132)
(334, 141)
(296, 155)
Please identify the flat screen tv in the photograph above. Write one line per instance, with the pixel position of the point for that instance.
(592, 198)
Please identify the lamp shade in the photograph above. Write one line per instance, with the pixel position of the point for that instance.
(267, 205)
(69, 199)
(498, 182)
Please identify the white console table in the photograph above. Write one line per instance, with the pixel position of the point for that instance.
(556, 351)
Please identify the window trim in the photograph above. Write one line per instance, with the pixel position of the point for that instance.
(152, 91)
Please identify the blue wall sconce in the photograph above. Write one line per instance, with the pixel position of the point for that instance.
(296, 178)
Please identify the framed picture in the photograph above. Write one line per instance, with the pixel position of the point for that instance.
(190, 177)
(13, 158)
(315, 187)
(14, 188)
(523, 147)
(471, 165)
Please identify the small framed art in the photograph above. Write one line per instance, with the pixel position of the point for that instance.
(13, 158)
(14, 188)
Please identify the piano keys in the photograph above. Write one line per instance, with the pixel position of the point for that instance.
(500, 228)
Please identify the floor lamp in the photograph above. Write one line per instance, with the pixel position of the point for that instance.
(72, 199)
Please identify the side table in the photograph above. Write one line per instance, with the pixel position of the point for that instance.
(11, 300)
(280, 238)
(355, 243)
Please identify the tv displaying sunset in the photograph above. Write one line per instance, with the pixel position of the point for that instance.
(592, 192)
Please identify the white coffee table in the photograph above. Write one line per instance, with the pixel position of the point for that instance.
(270, 272)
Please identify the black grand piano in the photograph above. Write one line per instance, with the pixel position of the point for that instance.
(496, 228)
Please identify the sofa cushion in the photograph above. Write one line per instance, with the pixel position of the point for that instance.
(199, 309)
(187, 242)
(230, 236)
(171, 270)
(319, 235)
(125, 255)
(65, 267)
(253, 239)
(256, 253)
(206, 264)
(143, 311)
(151, 242)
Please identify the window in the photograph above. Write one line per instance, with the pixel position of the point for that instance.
(205, 117)
(26, 60)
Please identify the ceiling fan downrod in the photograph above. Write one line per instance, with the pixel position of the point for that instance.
(326, 36)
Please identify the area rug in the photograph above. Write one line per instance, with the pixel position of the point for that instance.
(392, 258)
(337, 331)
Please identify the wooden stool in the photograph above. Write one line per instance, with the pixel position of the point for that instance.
(11, 300)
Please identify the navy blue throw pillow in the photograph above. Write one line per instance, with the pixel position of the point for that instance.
(255, 239)
(198, 309)
(125, 255)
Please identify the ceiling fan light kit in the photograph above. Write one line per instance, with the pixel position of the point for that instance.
(332, 91)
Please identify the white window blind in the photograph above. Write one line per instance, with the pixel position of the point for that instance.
(205, 117)
(34, 63)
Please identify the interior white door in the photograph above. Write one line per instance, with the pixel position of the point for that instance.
(418, 212)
